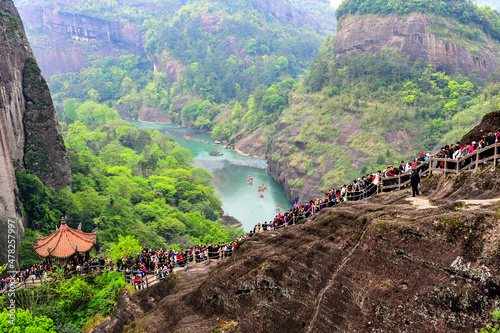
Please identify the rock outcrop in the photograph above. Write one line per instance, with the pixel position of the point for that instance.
(378, 265)
(215, 153)
(253, 145)
(411, 34)
(29, 134)
(61, 39)
(156, 116)
(284, 12)
(490, 122)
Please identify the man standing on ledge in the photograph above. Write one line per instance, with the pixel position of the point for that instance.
(415, 182)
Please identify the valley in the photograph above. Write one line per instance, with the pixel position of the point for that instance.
(135, 137)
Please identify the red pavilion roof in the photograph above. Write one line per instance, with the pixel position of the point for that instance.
(65, 241)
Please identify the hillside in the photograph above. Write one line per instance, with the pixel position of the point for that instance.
(387, 87)
(152, 66)
(385, 264)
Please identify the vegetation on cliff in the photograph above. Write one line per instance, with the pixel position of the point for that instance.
(65, 305)
(465, 11)
(126, 181)
(372, 110)
(207, 53)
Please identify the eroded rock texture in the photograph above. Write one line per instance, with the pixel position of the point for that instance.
(411, 34)
(490, 122)
(379, 265)
(61, 40)
(29, 134)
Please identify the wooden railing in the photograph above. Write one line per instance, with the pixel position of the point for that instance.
(402, 180)
(142, 282)
(490, 154)
(31, 281)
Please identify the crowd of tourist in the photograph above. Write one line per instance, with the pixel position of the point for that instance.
(159, 262)
(162, 262)
(369, 184)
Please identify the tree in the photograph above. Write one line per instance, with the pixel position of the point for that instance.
(169, 228)
(126, 247)
(25, 322)
(272, 102)
(282, 63)
(70, 110)
(251, 46)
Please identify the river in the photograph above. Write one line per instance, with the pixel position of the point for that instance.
(230, 172)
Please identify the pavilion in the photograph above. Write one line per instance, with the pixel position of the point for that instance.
(65, 242)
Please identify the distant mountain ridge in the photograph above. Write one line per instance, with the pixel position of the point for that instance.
(61, 40)
(364, 104)
(192, 52)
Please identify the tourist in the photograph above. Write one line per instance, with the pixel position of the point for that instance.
(415, 182)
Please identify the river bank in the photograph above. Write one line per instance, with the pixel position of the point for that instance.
(230, 171)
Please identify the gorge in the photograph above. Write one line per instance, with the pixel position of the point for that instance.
(119, 145)
(230, 173)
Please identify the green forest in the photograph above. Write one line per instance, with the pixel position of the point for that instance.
(242, 73)
(226, 60)
(126, 181)
(376, 95)
(65, 305)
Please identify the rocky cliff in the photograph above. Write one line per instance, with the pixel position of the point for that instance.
(29, 134)
(62, 40)
(386, 264)
(419, 36)
(284, 12)
(490, 122)
(153, 116)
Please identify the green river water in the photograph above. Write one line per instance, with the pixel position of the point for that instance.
(230, 172)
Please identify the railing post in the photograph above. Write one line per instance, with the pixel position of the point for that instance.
(477, 159)
(147, 285)
(495, 156)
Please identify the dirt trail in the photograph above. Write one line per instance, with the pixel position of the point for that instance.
(424, 203)
(421, 203)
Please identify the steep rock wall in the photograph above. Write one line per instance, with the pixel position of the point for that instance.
(61, 40)
(412, 35)
(490, 122)
(284, 12)
(29, 134)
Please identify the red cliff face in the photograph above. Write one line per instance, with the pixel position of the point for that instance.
(61, 40)
(414, 35)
